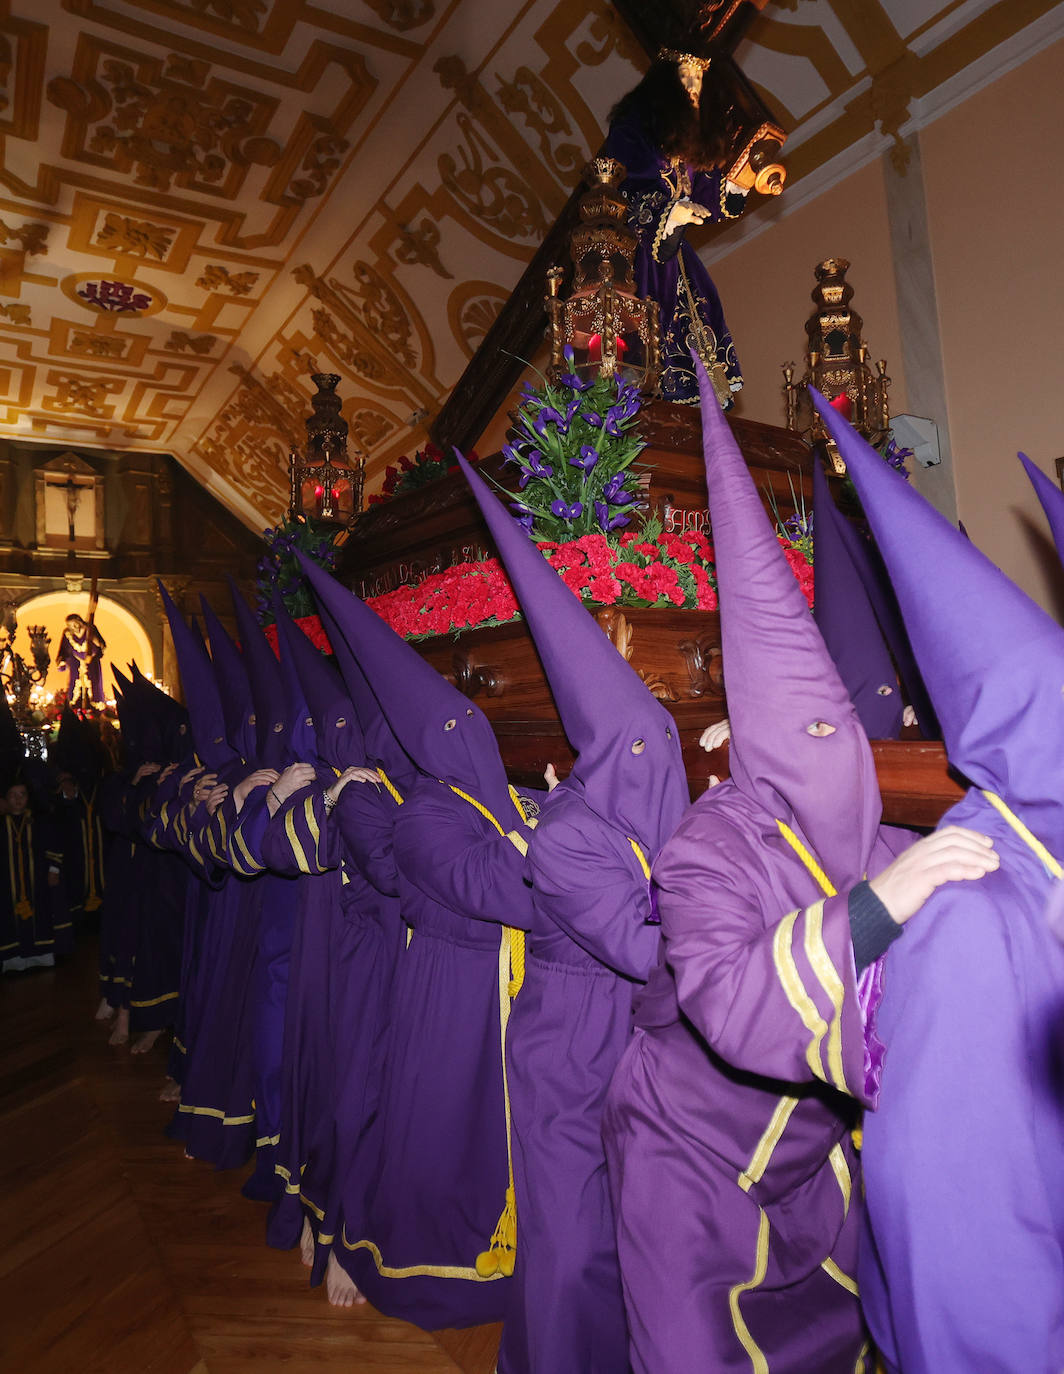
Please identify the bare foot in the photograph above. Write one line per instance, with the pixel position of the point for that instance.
(144, 1042)
(171, 1091)
(339, 1287)
(306, 1244)
(120, 1034)
(104, 1011)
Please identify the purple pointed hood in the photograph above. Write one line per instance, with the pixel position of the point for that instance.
(992, 661)
(238, 705)
(629, 764)
(382, 748)
(439, 728)
(876, 581)
(779, 677)
(165, 739)
(1051, 498)
(337, 736)
(845, 618)
(200, 688)
(278, 717)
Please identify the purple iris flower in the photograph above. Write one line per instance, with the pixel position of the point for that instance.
(615, 416)
(536, 468)
(606, 521)
(586, 458)
(523, 516)
(573, 382)
(510, 454)
(549, 416)
(628, 400)
(614, 492)
(593, 419)
(566, 512)
(897, 458)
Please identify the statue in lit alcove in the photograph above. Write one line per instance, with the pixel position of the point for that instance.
(80, 656)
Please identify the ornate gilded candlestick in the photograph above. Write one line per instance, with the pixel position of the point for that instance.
(837, 365)
(606, 324)
(325, 485)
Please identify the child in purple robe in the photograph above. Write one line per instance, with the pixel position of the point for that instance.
(962, 1268)
(728, 1124)
(593, 941)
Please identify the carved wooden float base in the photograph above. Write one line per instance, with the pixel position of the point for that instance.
(677, 654)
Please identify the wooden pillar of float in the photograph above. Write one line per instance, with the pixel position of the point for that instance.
(676, 653)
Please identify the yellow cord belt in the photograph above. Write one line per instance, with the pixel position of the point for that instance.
(1031, 841)
(826, 885)
(501, 1253)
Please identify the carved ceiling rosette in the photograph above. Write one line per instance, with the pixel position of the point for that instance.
(167, 120)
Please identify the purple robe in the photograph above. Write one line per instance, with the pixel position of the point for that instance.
(34, 917)
(440, 1149)
(727, 1126)
(964, 1263)
(164, 890)
(118, 926)
(962, 1266)
(216, 1116)
(728, 1121)
(588, 949)
(349, 944)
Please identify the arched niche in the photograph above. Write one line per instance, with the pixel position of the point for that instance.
(125, 636)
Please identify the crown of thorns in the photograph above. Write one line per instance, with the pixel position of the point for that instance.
(673, 55)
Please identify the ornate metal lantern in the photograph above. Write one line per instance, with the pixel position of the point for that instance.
(325, 485)
(606, 324)
(837, 365)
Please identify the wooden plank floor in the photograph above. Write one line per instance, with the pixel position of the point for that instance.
(121, 1254)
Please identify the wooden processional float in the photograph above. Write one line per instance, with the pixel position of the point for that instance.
(677, 653)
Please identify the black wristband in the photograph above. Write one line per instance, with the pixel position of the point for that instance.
(872, 928)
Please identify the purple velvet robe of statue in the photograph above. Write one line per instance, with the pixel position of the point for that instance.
(691, 313)
(439, 1151)
(963, 1265)
(588, 949)
(728, 1121)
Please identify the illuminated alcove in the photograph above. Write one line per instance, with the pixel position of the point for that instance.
(123, 633)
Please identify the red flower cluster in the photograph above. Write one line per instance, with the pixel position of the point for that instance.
(408, 474)
(467, 595)
(801, 567)
(311, 627)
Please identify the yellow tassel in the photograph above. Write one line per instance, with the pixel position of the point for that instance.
(501, 1253)
(517, 961)
(24, 909)
(93, 903)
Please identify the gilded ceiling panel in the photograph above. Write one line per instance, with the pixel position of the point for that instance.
(202, 202)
